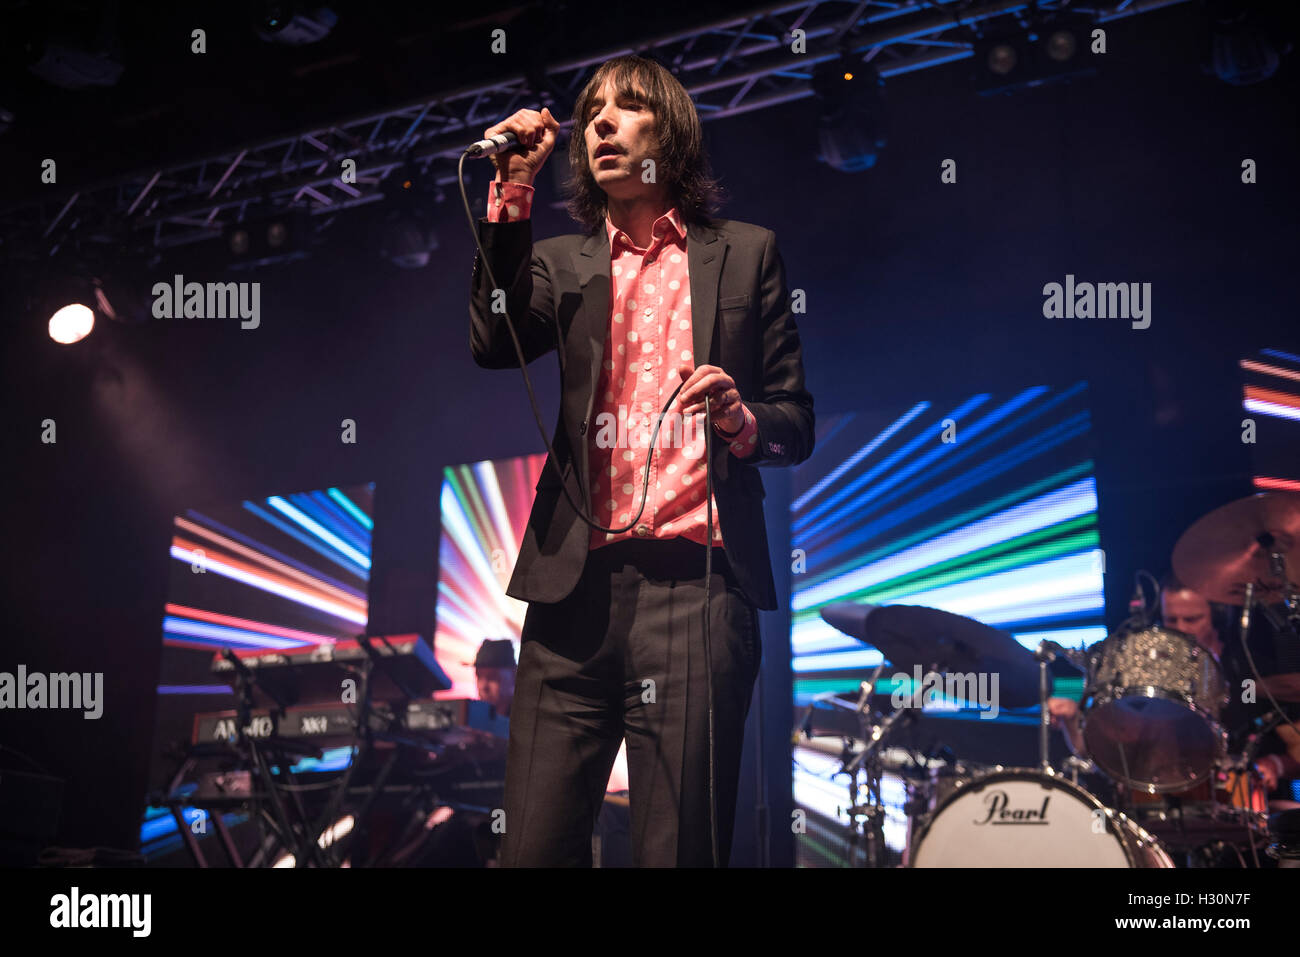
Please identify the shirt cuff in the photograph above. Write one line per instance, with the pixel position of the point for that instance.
(745, 442)
(508, 202)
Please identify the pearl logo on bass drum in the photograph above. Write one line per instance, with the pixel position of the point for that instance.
(998, 812)
(963, 830)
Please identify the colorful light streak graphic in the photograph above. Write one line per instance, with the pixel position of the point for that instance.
(485, 507)
(1271, 394)
(1000, 524)
(275, 554)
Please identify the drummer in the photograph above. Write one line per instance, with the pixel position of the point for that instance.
(1186, 610)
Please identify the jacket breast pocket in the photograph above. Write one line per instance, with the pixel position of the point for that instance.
(734, 302)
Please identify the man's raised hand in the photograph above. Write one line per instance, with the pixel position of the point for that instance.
(537, 133)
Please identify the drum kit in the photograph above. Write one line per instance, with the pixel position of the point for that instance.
(1179, 785)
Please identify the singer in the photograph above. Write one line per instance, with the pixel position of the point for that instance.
(654, 293)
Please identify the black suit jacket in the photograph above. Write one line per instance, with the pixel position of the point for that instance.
(558, 290)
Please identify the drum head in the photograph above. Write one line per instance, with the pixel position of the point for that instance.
(1022, 818)
(1152, 743)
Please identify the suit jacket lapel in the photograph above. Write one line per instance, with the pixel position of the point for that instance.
(591, 329)
(706, 251)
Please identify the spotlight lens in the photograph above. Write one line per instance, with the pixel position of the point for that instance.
(1002, 59)
(276, 234)
(848, 76)
(71, 324)
(1061, 45)
(239, 242)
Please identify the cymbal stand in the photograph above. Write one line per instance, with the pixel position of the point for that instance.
(871, 813)
(1045, 656)
(1047, 652)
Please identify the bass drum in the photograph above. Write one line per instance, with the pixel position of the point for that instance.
(1019, 817)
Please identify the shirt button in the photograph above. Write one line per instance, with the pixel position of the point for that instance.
(648, 311)
(647, 367)
(643, 530)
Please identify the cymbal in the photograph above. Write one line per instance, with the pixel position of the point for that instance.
(912, 636)
(1230, 547)
(1284, 687)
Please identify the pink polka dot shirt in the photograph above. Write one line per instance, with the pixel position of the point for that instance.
(649, 337)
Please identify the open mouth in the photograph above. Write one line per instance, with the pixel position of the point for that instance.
(606, 150)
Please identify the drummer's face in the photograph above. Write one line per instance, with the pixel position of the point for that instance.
(1188, 612)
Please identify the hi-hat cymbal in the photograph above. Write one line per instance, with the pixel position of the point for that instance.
(1231, 546)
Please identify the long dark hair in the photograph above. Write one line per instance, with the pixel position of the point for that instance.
(682, 162)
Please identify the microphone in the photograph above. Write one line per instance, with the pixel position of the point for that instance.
(1137, 606)
(493, 145)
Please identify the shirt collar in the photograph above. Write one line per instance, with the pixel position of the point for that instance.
(670, 222)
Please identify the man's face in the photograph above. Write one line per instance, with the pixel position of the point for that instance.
(1188, 611)
(496, 686)
(629, 125)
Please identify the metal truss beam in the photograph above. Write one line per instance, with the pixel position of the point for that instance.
(734, 65)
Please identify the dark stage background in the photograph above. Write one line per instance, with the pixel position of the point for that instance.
(915, 289)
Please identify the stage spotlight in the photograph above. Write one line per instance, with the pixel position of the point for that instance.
(1051, 50)
(1002, 59)
(283, 236)
(277, 234)
(290, 25)
(406, 240)
(1060, 45)
(405, 233)
(1241, 51)
(851, 122)
(71, 324)
(73, 49)
(114, 284)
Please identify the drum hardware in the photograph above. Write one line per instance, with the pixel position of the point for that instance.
(863, 758)
(1274, 722)
(1045, 654)
(1221, 812)
(866, 819)
(1076, 765)
(1284, 832)
(870, 816)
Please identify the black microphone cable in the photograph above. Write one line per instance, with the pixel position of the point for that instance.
(645, 488)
